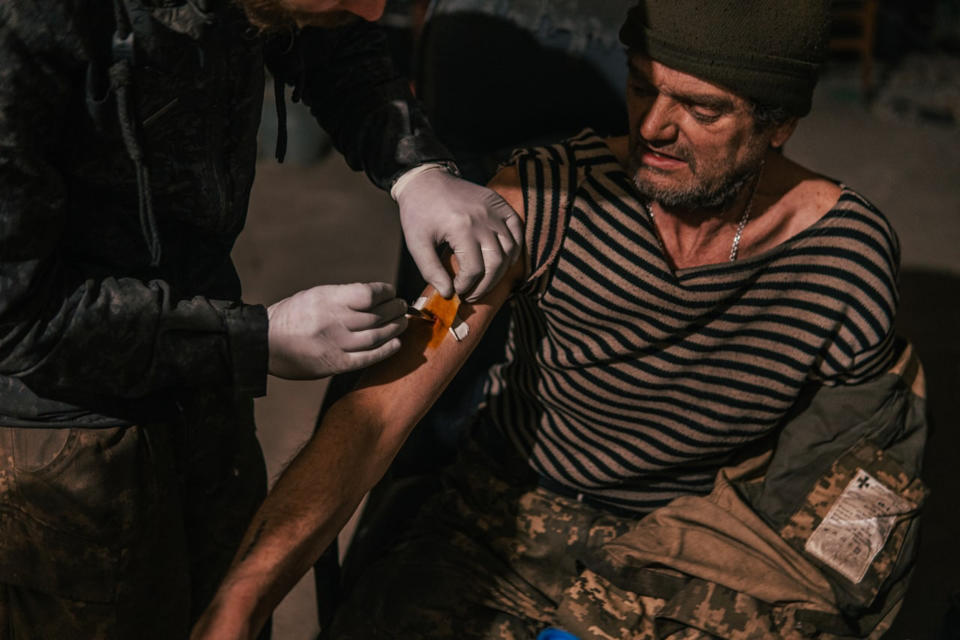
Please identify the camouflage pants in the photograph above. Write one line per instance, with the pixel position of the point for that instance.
(493, 556)
(122, 532)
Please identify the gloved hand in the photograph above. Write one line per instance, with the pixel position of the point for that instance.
(484, 232)
(334, 328)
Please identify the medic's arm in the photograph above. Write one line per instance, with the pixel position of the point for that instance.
(347, 78)
(66, 329)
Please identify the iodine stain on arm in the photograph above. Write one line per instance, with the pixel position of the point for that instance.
(445, 313)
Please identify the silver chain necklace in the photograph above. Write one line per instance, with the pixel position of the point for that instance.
(735, 246)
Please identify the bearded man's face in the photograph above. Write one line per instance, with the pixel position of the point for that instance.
(693, 144)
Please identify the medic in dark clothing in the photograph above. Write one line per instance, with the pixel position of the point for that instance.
(129, 465)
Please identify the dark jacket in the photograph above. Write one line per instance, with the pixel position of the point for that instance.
(125, 170)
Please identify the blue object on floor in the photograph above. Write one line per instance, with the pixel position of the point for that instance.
(556, 634)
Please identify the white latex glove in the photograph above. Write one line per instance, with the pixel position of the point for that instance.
(334, 328)
(484, 232)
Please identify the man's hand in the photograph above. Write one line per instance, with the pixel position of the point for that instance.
(484, 232)
(334, 328)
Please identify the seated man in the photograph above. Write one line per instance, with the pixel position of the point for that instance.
(689, 297)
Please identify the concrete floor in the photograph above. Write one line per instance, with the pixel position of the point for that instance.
(325, 224)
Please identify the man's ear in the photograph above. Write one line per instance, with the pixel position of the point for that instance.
(782, 132)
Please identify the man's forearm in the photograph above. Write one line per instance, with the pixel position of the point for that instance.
(310, 503)
(356, 441)
(321, 488)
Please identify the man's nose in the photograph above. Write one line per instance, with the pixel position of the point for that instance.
(658, 122)
(369, 10)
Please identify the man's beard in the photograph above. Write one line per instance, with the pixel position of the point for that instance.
(274, 15)
(716, 194)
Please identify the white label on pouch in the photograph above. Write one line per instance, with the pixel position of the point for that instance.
(857, 526)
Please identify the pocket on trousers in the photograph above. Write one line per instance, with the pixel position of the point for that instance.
(70, 502)
(593, 603)
(34, 449)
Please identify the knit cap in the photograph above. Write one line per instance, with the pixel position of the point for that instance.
(769, 51)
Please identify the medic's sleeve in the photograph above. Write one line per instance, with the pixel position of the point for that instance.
(63, 330)
(352, 87)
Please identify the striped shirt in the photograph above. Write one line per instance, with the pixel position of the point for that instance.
(634, 383)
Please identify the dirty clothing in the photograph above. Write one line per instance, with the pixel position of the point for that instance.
(494, 556)
(123, 532)
(127, 150)
(815, 538)
(488, 557)
(125, 174)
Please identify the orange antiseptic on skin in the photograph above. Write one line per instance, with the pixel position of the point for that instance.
(445, 312)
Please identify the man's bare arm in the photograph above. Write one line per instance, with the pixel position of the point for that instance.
(350, 451)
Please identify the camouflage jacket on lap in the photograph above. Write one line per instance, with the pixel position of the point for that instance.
(816, 537)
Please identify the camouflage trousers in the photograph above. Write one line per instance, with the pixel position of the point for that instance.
(493, 556)
(813, 537)
(123, 532)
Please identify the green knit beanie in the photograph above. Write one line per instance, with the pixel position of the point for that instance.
(769, 51)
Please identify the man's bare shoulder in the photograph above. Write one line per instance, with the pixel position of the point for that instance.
(506, 183)
(790, 199)
(804, 196)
